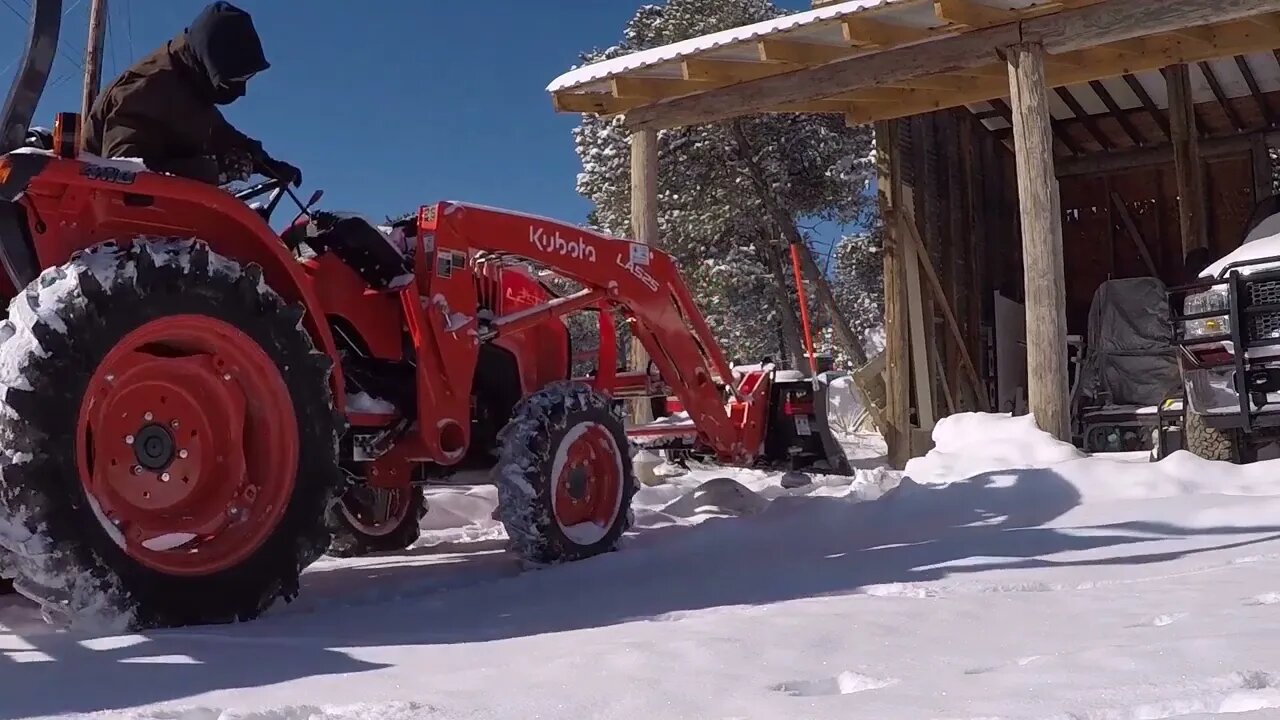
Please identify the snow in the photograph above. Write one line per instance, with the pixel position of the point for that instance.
(1004, 575)
(363, 402)
(125, 164)
(676, 51)
(1262, 242)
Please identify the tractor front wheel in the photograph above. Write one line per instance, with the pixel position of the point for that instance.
(564, 478)
(168, 443)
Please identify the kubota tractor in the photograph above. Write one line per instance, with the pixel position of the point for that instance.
(194, 408)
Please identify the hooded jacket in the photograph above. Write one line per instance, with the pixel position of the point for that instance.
(164, 111)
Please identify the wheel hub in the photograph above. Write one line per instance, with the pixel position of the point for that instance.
(579, 477)
(153, 447)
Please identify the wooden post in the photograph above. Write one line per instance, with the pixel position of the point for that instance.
(93, 56)
(1041, 241)
(1186, 159)
(897, 411)
(644, 229)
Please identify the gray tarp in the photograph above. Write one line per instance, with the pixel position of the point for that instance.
(1129, 357)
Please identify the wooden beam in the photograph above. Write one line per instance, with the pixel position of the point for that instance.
(1164, 52)
(799, 53)
(1117, 113)
(866, 32)
(1044, 282)
(967, 12)
(651, 88)
(1131, 227)
(1160, 116)
(1264, 107)
(1064, 32)
(1108, 163)
(1090, 124)
(1232, 114)
(732, 71)
(592, 103)
(940, 297)
(1186, 157)
(1059, 132)
(897, 410)
(644, 228)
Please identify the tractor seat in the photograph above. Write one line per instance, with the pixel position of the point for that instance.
(373, 254)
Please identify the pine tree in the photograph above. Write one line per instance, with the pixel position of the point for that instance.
(714, 189)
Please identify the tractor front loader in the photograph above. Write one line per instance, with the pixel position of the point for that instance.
(194, 407)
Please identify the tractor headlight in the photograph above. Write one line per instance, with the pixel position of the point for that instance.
(1208, 301)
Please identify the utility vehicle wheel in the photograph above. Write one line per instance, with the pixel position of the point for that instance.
(371, 520)
(168, 443)
(1211, 443)
(564, 476)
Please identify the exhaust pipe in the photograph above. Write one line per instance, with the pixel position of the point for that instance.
(33, 73)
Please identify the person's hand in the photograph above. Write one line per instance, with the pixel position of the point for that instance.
(280, 170)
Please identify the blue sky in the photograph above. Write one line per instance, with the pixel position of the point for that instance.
(386, 104)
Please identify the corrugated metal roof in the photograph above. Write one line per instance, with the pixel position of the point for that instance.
(580, 77)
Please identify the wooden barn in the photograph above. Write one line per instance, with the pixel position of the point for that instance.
(1029, 151)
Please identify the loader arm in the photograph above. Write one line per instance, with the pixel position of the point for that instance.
(640, 280)
(32, 74)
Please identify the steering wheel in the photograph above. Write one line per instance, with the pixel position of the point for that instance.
(273, 186)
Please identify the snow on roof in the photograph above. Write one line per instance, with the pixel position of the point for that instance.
(606, 69)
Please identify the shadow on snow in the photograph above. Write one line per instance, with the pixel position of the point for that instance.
(797, 548)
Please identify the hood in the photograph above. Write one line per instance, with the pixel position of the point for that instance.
(224, 44)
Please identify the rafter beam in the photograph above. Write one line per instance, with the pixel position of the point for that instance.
(866, 32)
(1268, 115)
(1214, 85)
(648, 88)
(1117, 113)
(1148, 102)
(1169, 52)
(1064, 32)
(973, 14)
(798, 53)
(732, 71)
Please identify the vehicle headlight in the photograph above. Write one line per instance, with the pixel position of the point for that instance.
(1208, 301)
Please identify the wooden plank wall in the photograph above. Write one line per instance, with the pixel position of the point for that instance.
(1098, 245)
(966, 210)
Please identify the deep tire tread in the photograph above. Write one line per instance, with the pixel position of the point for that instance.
(523, 472)
(49, 537)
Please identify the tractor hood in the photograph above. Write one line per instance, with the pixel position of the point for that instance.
(32, 75)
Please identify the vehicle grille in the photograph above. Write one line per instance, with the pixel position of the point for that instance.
(1264, 326)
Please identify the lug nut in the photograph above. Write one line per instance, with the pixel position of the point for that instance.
(183, 453)
(173, 423)
(226, 376)
(148, 417)
(128, 439)
(164, 477)
(137, 469)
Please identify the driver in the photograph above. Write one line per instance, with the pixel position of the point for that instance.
(163, 110)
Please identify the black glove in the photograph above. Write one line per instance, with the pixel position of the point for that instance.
(279, 170)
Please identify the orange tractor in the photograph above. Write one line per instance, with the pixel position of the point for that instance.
(194, 407)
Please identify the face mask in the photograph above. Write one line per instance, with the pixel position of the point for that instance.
(227, 93)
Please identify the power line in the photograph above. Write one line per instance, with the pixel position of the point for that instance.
(128, 25)
(26, 20)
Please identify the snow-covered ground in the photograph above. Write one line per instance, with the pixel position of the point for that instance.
(1004, 576)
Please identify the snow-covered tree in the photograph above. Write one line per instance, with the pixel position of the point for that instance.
(719, 183)
(858, 281)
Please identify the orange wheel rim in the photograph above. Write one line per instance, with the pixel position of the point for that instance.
(587, 483)
(187, 445)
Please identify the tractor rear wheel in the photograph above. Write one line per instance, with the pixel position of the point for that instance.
(168, 442)
(564, 477)
(373, 520)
